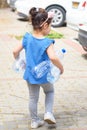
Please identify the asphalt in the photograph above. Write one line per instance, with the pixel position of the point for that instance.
(70, 104)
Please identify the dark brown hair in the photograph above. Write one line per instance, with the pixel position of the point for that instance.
(38, 16)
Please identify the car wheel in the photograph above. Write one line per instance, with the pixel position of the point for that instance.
(59, 15)
(85, 48)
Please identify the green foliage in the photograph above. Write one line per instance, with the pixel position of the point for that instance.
(52, 35)
(19, 37)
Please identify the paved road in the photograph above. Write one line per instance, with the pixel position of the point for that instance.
(70, 106)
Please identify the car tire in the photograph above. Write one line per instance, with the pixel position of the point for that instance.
(85, 48)
(59, 15)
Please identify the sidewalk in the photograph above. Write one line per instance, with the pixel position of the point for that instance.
(70, 105)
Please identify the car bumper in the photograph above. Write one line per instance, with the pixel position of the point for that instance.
(75, 18)
(22, 15)
(82, 35)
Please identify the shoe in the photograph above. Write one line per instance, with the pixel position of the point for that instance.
(36, 124)
(49, 118)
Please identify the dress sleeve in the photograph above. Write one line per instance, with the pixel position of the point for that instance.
(24, 41)
(47, 44)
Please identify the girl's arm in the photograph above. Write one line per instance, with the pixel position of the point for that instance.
(17, 50)
(54, 59)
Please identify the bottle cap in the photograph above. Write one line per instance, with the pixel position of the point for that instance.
(63, 50)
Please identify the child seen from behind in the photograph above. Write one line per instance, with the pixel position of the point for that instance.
(38, 48)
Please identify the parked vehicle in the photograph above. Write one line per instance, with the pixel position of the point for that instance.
(77, 17)
(82, 36)
(58, 7)
(11, 3)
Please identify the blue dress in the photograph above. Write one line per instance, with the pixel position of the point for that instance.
(35, 51)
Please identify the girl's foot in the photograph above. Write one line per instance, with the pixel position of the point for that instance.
(36, 124)
(49, 118)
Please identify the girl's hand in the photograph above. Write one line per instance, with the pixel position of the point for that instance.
(61, 71)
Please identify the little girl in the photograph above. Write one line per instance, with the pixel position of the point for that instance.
(38, 48)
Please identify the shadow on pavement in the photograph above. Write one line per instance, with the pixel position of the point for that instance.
(65, 120)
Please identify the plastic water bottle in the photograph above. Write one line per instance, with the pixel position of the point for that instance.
(41, 69)
(20, 62)
(54, 73)
(44, 67)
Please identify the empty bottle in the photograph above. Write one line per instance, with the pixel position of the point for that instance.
(54, 73)
(20, 62)
(46, 67)
(41, 69)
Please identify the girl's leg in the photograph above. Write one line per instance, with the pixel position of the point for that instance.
(49, 96)
(49, 92)
(33, 100)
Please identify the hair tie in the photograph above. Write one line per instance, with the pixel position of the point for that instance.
(50, 14)
(37, 9)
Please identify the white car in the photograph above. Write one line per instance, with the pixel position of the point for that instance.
(82, 36)
(77, 17)
(11, 3)
(58, 7)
